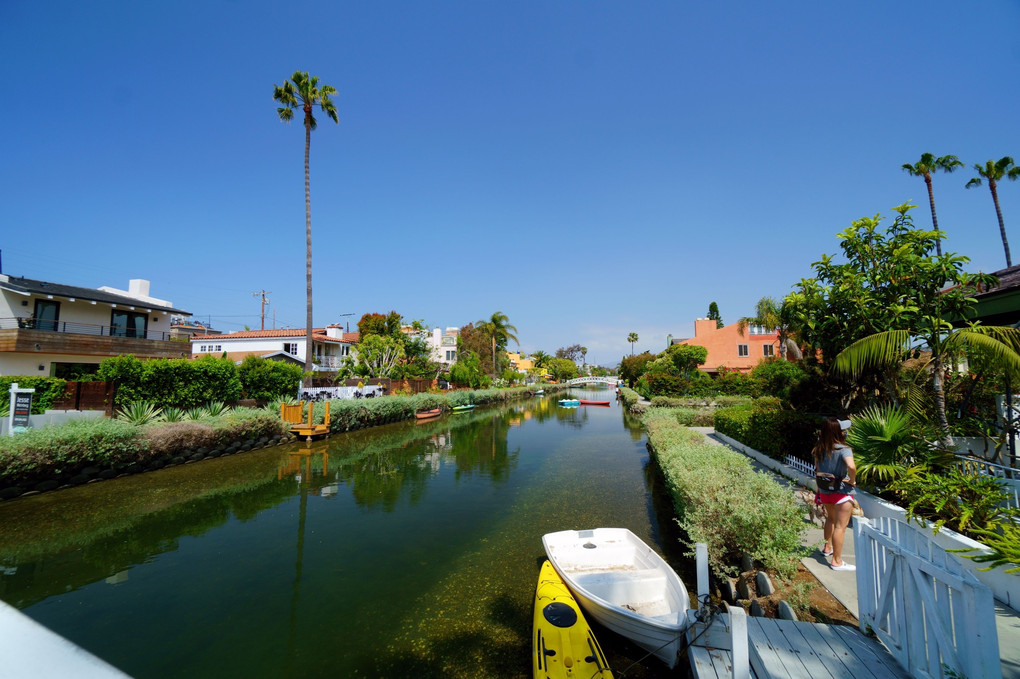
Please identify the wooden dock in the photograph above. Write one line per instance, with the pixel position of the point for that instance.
(783, 648)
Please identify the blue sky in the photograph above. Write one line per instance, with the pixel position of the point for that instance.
(589, 168)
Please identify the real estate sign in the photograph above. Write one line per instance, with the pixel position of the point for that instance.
(21, 409)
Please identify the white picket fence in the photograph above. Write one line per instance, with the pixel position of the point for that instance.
(929, 612)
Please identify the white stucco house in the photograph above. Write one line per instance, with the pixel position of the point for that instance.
(444, 345)
(51, 329)
(330, 345)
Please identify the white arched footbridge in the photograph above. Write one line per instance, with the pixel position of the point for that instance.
(611, 381)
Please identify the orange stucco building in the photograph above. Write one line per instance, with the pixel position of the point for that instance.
(728, 348)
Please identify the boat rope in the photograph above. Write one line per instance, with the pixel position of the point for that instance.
(706, 613)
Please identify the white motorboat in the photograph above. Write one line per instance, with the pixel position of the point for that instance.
(625, 585)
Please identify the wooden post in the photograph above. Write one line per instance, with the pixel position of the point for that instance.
(738, 643)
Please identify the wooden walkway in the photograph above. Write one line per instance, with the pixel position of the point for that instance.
(798, 650)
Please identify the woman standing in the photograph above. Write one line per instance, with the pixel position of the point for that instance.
(836, 475)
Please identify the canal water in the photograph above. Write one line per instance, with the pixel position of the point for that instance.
(406, 550)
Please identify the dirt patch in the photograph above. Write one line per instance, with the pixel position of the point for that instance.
(808, 597)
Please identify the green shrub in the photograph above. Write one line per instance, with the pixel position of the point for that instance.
(722, 501)
(957, 499)
(52, 450)
(265, 380)
(777, 377)
(765, 427)
(47, 390)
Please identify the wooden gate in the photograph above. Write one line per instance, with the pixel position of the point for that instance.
(87, 396)
(929, 611)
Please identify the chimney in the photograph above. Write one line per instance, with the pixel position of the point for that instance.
(138, 287)
(704, 326)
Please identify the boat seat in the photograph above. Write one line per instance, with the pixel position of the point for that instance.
(625, 587)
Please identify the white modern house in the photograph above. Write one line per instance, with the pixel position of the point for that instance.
(51, 329)
(330, 345)
(444, 345)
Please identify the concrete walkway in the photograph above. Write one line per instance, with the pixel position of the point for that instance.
(843, 585)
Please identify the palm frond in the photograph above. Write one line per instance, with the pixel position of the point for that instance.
(879, 349)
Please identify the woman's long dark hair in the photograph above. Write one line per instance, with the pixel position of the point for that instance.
(829, 437)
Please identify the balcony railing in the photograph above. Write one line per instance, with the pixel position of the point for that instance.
(80, 328)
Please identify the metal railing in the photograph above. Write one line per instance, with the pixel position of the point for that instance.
(73, 328)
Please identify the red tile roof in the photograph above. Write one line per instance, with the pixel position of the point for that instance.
(318, 334)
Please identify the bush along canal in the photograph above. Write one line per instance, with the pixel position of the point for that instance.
(409, 549)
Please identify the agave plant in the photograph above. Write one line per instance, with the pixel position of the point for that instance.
(173, 415)
(139, 413)
(216, 408)
(196, 413)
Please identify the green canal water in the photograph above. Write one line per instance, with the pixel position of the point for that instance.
(410, 550)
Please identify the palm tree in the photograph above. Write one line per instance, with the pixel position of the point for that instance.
(584, 355)
(773, 316)
(540, 358)
(993, 172)
(923, 168)
(498, 327)
(302, 91)
(632, 337)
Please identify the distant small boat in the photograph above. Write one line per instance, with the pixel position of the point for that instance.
(539, 392)
(623, 584)
(569, 402)
(561, 636)
(428, 414)
(463, 408)
(586, 402)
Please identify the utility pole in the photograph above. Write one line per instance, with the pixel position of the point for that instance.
(348, 322)
(265, 301)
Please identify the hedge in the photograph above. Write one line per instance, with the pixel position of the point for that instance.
(722, 501)
(47, 390)
(769, 429)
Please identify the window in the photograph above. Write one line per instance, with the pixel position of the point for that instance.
(290, 348)
(760, 330)
(128, 323)
(741, 350)
(201, 348)
(219, 347)
(451, 355)
(46, 314)
(768, 350)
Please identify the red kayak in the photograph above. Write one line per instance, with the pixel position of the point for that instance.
(593, 403)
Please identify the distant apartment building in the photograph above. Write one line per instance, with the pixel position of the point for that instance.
(330, 345)
(56, 330)
(728, 348)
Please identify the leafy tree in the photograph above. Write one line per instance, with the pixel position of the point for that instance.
(470, 338)
(265, 380)
(540, 358)
(923, 168)
(931, 292)
(563, 369)
(632, 338)
(302, 91)
(468, 371)
(773, 315)
(713, 315)
(993, 172)
(680, 360)
(632, 367)
(379, 354)
(570, 353)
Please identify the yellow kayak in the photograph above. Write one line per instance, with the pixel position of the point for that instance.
(564, 644)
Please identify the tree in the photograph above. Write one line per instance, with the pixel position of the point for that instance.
(584, 356)
(540, 358)
(379, 354)
(500, 332)
(562, 369)
(304, 92)
(468, 370)
(632, 367)
(923, 168)
(993, 172)
(632, 338)
(570, 353)
(713, 314)
(772, 315)
(378, 324)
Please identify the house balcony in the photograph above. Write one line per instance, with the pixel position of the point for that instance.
(30, 335)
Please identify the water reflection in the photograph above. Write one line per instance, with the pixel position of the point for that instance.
(408, 549)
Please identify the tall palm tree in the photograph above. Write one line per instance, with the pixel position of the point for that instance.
(500, 330)
(632, 337)
(993, 172)
(923, 168)
(303, 92)
(540, 358)
(772, 315)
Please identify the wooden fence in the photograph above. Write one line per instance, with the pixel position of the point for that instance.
(87, 396)
(929, 611)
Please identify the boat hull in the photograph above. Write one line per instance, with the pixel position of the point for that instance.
(585, 402)
(429, 414)
(563, 643)
(569, 403)
(623, 584)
